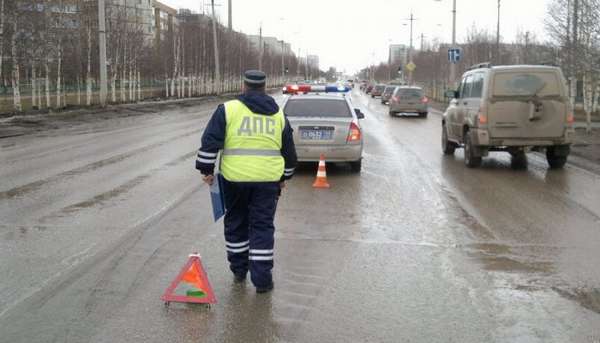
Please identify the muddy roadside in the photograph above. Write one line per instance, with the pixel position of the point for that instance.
(31, 122)
(585, 150)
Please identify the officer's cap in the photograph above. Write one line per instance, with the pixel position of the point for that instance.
(255, 77)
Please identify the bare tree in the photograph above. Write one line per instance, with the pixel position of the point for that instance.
(16, 71)
(1, 38)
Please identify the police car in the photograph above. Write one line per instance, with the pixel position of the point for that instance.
(325, 122)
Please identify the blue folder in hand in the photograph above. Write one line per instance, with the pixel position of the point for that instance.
(217, 198)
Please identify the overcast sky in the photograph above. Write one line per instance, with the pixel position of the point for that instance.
(350, 34)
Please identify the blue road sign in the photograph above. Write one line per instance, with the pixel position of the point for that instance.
(454, 55)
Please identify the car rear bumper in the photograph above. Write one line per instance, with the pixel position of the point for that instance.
(481, 137)
(409, 109)
(333, 153)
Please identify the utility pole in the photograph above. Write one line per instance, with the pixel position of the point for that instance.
(230, 23)
(260, 47)
(422, 41)
(526, 57)
(574, 48)
(575, 34)
(216, 48)
(282, 60)
(498, 37)
(102, 50)
(453, 65)
(410, 49)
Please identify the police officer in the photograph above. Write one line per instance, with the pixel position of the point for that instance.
(258, 156)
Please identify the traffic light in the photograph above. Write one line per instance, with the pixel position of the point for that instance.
(287, 70)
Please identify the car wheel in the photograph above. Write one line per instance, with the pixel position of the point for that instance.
(471, 160)
(447, 147)
(356, 166)
(391, 113)
(372, 96)
(423, 115)
(518, 160)
(555, 161)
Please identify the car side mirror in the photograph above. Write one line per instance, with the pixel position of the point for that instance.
(359, 114)
(451, 94)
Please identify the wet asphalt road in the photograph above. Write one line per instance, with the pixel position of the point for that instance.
(97, 218)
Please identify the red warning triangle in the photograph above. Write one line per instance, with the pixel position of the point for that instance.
(191, 285)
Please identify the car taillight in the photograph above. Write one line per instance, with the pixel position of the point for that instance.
(354, 134)
(424, 100)
(395, 98)
(482, 118)
(570, 118)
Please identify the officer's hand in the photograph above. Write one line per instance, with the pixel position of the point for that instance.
(282, 184)
(208, 179)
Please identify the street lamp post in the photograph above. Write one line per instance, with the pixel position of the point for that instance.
(102, 52)
(452, 65)
(498, 36)
(282, 54)
(216, 49)
(282, 60)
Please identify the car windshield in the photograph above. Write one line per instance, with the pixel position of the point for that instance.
(526, 84)
(410, 93)
(389, 90)
(317, 108)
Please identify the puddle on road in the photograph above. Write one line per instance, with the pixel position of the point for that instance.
(588, 298)
(499, 257)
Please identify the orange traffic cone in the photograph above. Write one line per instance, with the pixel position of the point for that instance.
(321, 180)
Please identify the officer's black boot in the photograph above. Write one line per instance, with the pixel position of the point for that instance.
(239, 278)
(266, 289)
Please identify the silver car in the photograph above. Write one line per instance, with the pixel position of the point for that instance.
(409, 99)
(387, 94)
(326, 124)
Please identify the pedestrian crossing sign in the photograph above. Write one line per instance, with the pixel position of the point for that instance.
(191, 285)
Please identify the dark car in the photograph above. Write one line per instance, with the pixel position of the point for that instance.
(387, 93)
(369, 88)
(377, 90)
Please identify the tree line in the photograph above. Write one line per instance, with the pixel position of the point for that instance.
(49, 55)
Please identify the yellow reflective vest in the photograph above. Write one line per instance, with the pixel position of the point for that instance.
(252, 151)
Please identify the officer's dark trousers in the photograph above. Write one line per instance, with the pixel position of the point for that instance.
(249, 228)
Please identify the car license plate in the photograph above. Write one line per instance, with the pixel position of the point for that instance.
(316, 135)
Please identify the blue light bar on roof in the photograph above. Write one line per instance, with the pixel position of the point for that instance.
(337, 89)
(296, 89)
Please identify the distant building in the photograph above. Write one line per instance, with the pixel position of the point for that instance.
(271, 44)
(398, 54)
(164, 19)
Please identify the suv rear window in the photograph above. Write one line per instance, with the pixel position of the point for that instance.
(409, 93)
(526, 84)
(317, 108)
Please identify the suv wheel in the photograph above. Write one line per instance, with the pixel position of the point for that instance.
(555, 161)
(391, 113)
(471, 160)
(356, 166)
(423, 114)
(447, 146)
(518, 160)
